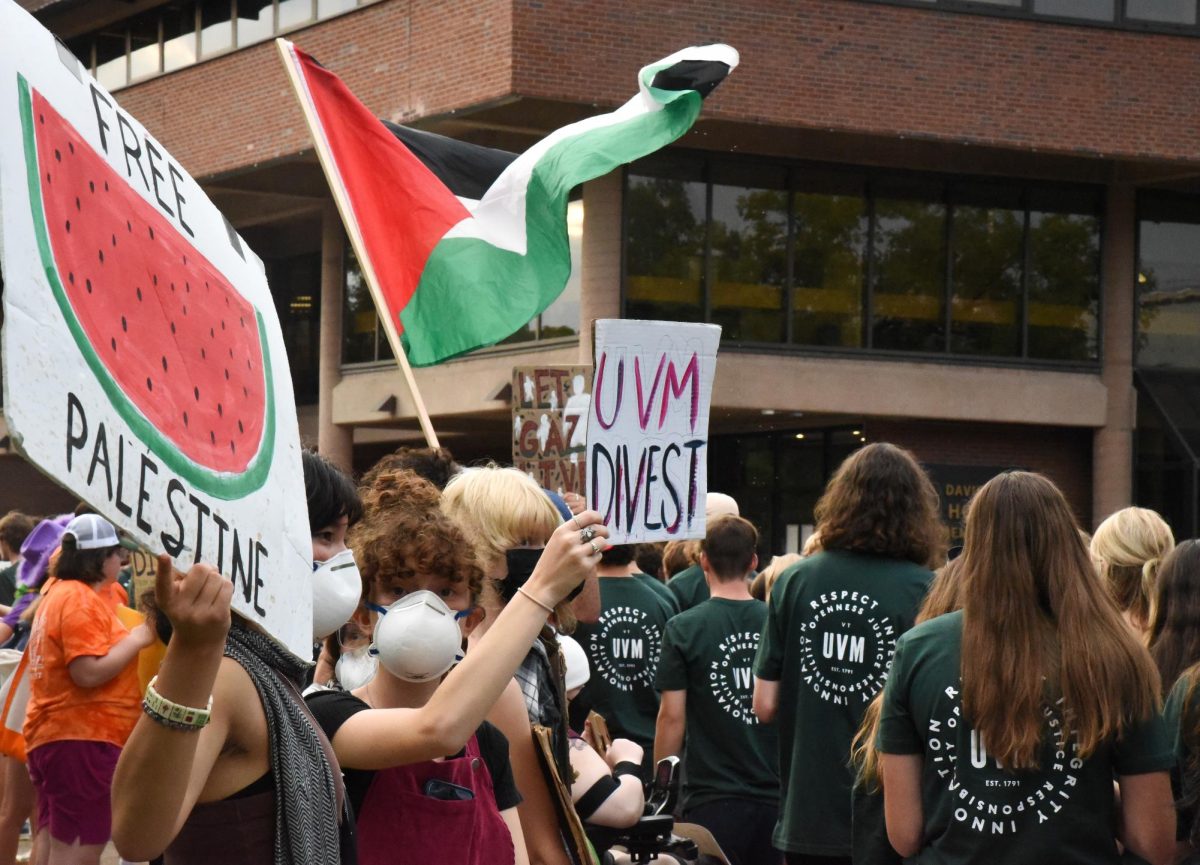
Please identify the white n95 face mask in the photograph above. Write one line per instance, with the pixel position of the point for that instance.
(355, 668)
(336, 589)
(417, 638)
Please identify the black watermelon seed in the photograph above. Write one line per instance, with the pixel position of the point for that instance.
(203, 354)
(114, 240)
(196, 393)
(185, 420)
(113, 343)
(242, 319)
(232, 449)
(227, 300)
(241, 429)
(128, 226)
(124, 324)
(106, 186)
(154, 278)
(68, 226)
(187, 287)
(47, 176)
(164, 363)
(226, 375)
(139, 293)
(212, 334)
(248, 365)
(220, 410)
(185, 259)
(185, 309)
(245, 391)
(231, 352)
(100, 252)
(149, 384)
(222, 324)
(71, 278)
(57, 155)
(88, 284)
(172, 327)
(91, 186)
(78, 206)
(71, 146)
(41, 118)
(152, 232)
(212, 436)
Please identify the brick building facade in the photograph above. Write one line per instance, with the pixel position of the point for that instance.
(910, 115)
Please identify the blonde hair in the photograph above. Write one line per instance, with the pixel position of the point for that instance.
(764, 580)
(1129, 546)
(501, 509)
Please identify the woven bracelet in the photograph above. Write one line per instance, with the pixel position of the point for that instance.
(174, 715)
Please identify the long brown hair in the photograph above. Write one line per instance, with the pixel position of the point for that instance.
(1038, 626)
(880, 501)
(1175, 631)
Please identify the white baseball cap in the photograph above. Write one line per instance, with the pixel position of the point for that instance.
(92, 532)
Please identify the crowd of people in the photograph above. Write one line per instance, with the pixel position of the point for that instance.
(492, 682)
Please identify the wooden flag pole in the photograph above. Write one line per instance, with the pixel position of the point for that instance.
(356, 240)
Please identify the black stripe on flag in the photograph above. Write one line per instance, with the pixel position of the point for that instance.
(467, 170)
(703, 76)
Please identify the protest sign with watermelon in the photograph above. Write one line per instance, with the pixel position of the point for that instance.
(144, 366)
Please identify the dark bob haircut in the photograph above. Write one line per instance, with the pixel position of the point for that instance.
(331, 493)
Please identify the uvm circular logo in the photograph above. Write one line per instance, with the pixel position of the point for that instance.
(730, 676)
(846, 647)
(987, 799)
(624, 648)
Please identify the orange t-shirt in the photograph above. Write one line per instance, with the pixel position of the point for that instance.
(74, 621)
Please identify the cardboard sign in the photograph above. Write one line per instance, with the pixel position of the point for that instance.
(647, 439)
(144, 365)
(550, 412)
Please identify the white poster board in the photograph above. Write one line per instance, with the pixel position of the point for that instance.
(647, 434)
(144, 365)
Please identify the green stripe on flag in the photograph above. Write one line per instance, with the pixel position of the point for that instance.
(473, 294)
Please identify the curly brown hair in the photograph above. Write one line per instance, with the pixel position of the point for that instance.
(880, 501)
(404, 533)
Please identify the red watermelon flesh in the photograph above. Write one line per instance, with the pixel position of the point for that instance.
(176, 337)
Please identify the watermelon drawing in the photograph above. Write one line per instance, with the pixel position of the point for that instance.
(181, 355)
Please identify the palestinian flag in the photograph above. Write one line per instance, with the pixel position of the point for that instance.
(461, 266)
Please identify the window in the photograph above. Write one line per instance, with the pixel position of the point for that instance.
(834, 258)
(296, 287)
(1167, 16)
(181, 32)
(665, 223)
(1168, 282)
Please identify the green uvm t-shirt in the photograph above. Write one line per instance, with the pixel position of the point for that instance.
(708, 652)
(831, 627)
(688, 587)
(623, 648)
(659, 588)
(975, 811)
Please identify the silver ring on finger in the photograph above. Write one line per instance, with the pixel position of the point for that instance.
(597, 548)
(586, 534)
(576, 522)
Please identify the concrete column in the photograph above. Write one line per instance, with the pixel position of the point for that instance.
(600, 292)
(333, 441)
(1112, 445)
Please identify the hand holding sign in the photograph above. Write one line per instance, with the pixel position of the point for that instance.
(648, 428)
(197, 603)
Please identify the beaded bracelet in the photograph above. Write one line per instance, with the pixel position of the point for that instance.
(174, 715)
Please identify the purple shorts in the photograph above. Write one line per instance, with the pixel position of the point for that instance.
(73, 781)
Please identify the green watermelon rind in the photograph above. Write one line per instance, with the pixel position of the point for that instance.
(222, 485)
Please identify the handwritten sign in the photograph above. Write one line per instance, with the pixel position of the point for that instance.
(647, 442)
(144, 364)
(550, 411)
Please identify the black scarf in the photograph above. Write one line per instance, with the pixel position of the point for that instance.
(306, 810)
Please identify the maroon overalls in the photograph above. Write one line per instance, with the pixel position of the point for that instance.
(398, 824)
